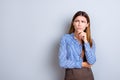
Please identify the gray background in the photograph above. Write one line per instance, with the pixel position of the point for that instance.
(30, 31)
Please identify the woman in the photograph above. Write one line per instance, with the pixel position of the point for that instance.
(77, 49)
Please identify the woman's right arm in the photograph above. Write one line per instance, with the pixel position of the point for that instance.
(63, 57)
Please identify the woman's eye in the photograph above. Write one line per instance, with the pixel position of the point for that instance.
(83, 21)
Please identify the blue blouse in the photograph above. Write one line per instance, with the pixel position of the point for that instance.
(70, 50)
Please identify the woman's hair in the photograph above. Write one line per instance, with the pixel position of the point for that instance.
(87, 30)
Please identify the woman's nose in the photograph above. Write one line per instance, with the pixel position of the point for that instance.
(79, 23)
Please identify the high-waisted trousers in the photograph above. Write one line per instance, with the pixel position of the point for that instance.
(79, 74)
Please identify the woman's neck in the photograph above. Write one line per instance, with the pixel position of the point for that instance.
(76, 35)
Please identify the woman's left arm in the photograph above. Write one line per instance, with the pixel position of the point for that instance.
(90, 52)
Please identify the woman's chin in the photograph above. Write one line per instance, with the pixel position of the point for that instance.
(79, 31)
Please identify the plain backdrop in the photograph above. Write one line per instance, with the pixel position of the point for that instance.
(30, 32)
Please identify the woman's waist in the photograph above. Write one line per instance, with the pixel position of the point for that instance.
(77, 69)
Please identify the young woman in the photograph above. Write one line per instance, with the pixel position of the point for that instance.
(77, 49)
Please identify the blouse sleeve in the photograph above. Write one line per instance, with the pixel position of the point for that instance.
(90, 52)
(63, 60)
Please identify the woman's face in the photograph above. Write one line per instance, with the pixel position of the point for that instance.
(80, 23)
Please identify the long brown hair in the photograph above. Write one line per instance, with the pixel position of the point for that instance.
(87, 30)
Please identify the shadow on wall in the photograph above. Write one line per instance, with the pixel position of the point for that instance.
(59, 72)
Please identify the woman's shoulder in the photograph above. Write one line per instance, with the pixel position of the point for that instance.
(66, 36)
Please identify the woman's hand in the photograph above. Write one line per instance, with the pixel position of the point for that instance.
(86, 64)
(83, 36)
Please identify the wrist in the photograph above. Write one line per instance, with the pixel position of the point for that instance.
(85, 41)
